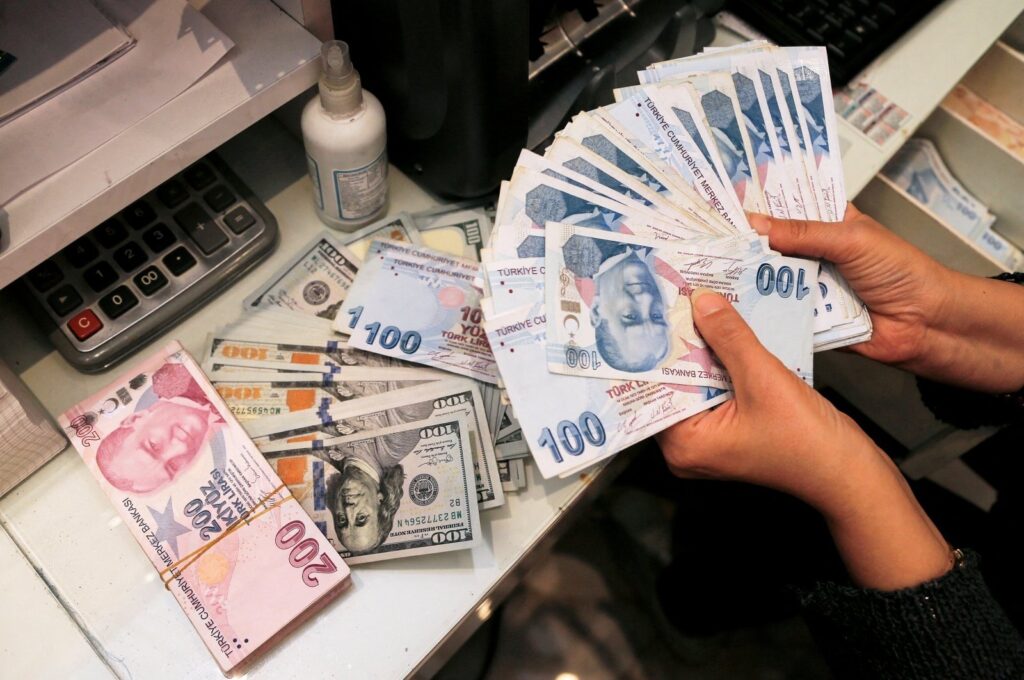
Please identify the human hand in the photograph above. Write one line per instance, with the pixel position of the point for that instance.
(779, 433)
(931, 320)
(776, 431)
(905, 290)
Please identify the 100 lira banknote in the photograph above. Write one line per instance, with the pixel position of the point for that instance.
(421, 306)
(619, 307)
(569, 422)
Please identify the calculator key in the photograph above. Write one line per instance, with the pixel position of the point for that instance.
(81, 252)
(159, 237)
(150, 280)
(172, 193)
(201, 228)
(130, 255)
(139, 214)
(84, 324)
(179, 261)
(110, 233)
(199, 176)
(99, 276)
(64, 300)
(118, 301)
(219, 197)
(239, 219)
(45, 276)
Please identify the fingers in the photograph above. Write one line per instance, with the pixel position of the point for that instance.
(800, 237)
(729, 336)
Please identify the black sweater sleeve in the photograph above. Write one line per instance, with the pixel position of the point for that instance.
(946, 628)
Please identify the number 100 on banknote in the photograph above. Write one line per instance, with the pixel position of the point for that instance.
(419, 305)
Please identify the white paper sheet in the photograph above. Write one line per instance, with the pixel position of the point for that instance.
(176, 46)
(57, 43)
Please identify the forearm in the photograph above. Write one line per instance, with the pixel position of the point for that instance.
(977, 341)
(884, 537)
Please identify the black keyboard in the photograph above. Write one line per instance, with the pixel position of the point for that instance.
(109, 291)
(855, 32)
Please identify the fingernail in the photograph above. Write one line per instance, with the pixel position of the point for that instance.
(762, 224)
(706, 301)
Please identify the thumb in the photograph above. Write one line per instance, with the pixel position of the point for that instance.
(729, 336)
(799, 237)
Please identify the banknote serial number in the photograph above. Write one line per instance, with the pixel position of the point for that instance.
(572, 438)
(302, 552)
(388, 338)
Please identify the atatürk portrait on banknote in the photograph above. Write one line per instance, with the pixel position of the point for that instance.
(627, 310)
(172, 422)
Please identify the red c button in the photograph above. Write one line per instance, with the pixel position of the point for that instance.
(84, 324)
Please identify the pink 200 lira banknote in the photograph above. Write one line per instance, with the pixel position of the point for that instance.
(235, 550)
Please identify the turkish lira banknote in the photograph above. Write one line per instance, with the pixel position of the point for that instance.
(418, 305)
(619, 306)
(227, 536)
(569, 422)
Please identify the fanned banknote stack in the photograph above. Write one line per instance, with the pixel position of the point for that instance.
(598, 243)
(226, 535)
(918, 169)
(339, 423)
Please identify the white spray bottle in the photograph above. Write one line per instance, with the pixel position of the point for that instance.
(345, 137)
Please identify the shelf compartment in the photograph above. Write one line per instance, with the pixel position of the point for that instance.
(274, 59)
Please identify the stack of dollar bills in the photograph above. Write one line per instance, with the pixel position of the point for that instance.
(355, 349)
(919, 170)
(329, 415)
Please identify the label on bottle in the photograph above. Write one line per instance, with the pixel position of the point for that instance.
(314, 174)
(363, 191)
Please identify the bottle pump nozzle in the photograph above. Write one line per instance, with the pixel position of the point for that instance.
(340, 89)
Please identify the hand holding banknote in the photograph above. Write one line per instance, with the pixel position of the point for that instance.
(779, 433)
(928, 319)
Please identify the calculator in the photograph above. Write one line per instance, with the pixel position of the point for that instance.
(158, 260)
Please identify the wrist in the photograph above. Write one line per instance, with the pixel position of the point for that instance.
(975, 335)
(884, 537)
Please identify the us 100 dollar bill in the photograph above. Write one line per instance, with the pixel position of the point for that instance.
(394, 492)
(313, 282)
(444, 397)
(401, 227)
(248, 400)
(326, 356)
